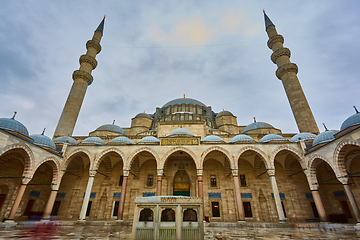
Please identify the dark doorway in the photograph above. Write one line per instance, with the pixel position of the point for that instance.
(313, 206)
(116, 209)
(346, 209)
(215, 209)
(88, 209)
(247, 209)
(2, 199)
(181, 184)
(55, 209)
(29, 207)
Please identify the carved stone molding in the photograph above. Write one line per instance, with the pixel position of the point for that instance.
(93, 44)
(84, 75)
(289, 67)
(275, 39)
(88, 59)
(280, 52)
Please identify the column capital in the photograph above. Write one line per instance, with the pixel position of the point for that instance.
(199, 172)
(314, 187)
(160, 172)
(235, 172)
(92, 173)
(25, 180)
(55, 187)
(126, 173)
(271, 172)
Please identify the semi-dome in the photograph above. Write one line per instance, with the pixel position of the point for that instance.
(224, 113)
(149, 139)
(65, 139)
(43, 141)
(256, 125)
(180, 131)
(242, 138)
(111, 128)
(121, 140)
(212, 138)
(353, 120)
(186, 101)
(14, 126)
(93, 140)
(143, 115)
(302, 136)
(272, 138)
(324, 137)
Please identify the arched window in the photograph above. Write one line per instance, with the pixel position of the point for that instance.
(190, 215)
(146, 215)
(168, 215)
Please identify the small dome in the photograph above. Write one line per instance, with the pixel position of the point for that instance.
(302, 136)
(272, 138)
(212, 138)
(13, 125)
(43, 141)
(324, 137)
(180, 131)
(111, 128)
(256, 125)
(224, 113)
(93, 140)
(353, 120)
(185, 101)
(242, 138)
(143, 115)
(149, 139)
(121, 140)
(65, 139)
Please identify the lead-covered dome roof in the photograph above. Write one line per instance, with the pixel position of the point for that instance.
(111, 128)
(65, 139)
(180, 131)
(242, 138)
(121, 140)
(324, 137)
(143, 115)
(212, 138)
(302, 136)
(93, 140)
(43, 141)
(256, 125)
(14, 126)
(272, 138)
(149, 139)
(186, 101)
(353, 120)
(224, 113)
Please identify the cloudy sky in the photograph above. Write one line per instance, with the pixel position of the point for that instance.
(156, 51)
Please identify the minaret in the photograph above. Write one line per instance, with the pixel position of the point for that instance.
(82, 79)
(286, 72)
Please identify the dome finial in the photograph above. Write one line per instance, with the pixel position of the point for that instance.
(43, 131)
(254, 119)
(184, 95)
(113, 121)
(325, 127)
(14, 115)
(353, 106)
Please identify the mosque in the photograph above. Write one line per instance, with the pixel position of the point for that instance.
(246, 172)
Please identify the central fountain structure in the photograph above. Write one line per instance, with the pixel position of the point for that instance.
(168, 218)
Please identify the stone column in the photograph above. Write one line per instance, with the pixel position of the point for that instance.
(178, 222)
(87, 195)
(239, 204)
(50, 203)
(276, 196)
(18, 198)
(319, 205)
(122, 196)
(159, 182)
(352, 202)
(200, 183)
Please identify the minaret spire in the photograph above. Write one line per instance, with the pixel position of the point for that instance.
(287, 73)
(82, 79)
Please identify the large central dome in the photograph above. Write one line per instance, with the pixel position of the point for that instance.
(186, 101)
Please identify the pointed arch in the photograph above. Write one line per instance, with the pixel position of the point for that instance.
(71, 155)
(292, 151)
(54, 163)
(219, 149)
(127, 164)
(339, 154)
(177, 149)
(29, 159)
(95, 165)
(256, 150)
